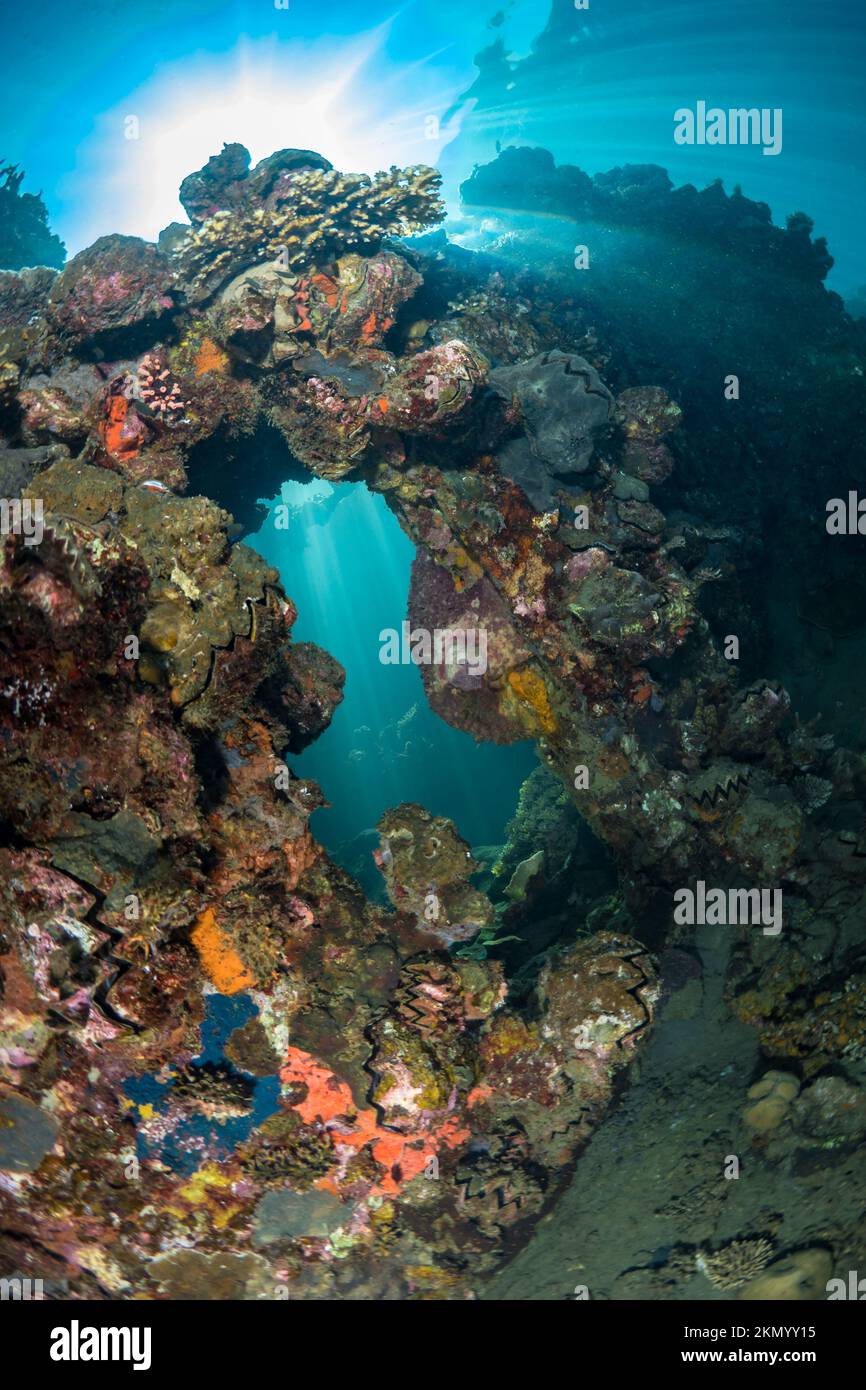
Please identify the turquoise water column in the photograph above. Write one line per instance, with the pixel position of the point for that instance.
(345, 562)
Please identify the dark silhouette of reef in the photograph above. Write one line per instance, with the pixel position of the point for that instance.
(643, 196)
(686, 288)
(25, 236)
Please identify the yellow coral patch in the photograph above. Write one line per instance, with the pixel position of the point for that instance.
(532, 692)
(202, 1183)
(511, 1036)
(205, 1189)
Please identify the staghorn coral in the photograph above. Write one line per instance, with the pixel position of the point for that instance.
(321, 214)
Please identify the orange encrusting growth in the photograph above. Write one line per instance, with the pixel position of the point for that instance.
(113, 430)
(328, 288)
(220, 961)
(329, 1101)
(210, 358)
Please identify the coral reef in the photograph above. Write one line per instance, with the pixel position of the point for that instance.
(383, 1118)
(309, 216)
(643, 195)
(427, 867)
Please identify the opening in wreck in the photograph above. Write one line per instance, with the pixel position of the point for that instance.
(345, 562)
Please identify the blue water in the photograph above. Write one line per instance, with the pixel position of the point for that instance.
(345, 562)
(360, 83)
(183, 1147)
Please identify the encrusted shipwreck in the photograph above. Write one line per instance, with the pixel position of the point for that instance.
(382, 1120)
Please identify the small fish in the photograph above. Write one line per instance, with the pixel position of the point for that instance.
(154, 485)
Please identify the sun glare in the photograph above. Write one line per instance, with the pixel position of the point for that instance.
(339, 99)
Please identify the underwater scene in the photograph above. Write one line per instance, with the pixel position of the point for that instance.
(432, 656)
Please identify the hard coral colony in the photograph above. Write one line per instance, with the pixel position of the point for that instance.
(397, 1098)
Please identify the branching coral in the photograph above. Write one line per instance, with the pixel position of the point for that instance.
(322, 213)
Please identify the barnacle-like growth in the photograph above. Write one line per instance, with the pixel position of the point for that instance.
(321, 214)
(286, 1151)
(213, 1089)
(736, 1263)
